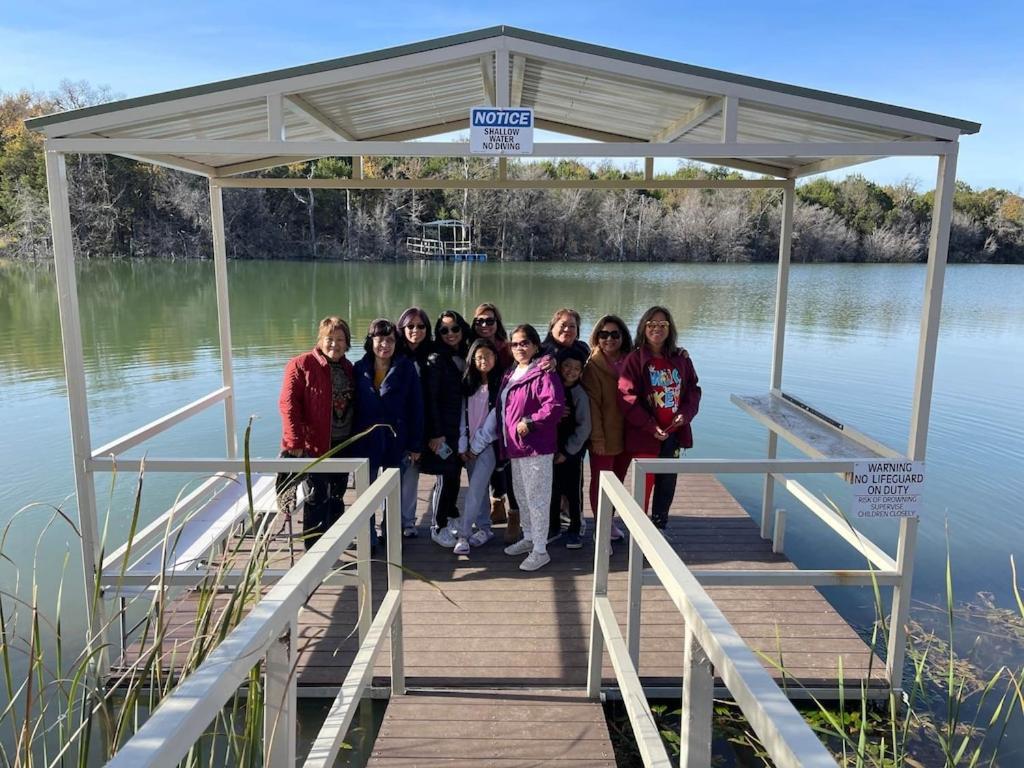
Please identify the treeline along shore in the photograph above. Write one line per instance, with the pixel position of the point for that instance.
(124, 209)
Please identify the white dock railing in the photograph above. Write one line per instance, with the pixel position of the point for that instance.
(268, 634)
(710, 643)
(882, 570)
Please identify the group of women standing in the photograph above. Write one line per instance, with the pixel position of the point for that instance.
(517, 412)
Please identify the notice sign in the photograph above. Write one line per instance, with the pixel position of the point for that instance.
(494, 131)
(887, 488)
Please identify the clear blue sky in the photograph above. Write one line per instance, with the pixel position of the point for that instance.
(959, 59)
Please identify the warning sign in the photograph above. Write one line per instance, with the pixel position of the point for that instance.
(494, 131)
(887, 488)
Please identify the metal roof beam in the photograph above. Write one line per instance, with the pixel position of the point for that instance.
(749, 165)
(423, 131)
(258, 165)
(518, 75)
(695, 151)
(275, 117)
(831, 164)
(582, 133)
(175, 163)
(697, 116)
(487, 74)
(501, 77)
(318, 118)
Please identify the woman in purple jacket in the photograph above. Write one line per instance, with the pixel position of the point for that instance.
(526, 420)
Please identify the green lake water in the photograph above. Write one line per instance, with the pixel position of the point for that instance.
(150, 331)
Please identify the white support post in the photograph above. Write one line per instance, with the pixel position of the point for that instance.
(275, 117)
(78, 405)
(364, 564)
(938, 247)
(357, 167)
(502, 95)
(220, 269)
(635, 576)
(730, 119)
(779, 338)
(896, 652)
(697, 705)
(394, 548)
(602, 545)
(779, 536)
(279, 700)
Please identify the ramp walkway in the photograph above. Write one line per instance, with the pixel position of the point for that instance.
(478, 621)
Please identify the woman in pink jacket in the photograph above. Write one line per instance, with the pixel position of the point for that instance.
(659, 397)
(525, 423)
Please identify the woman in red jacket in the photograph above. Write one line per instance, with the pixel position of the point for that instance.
(316, 415)
(659, 397)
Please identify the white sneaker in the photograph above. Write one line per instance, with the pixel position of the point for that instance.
(481, 537)
(461, 546)
(444, 537)
(521, 547)
(534, 561)
(617, 534)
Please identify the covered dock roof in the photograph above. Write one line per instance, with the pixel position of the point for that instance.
(375, 103)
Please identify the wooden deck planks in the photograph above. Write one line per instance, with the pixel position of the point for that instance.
(513, 728)
(482, 622)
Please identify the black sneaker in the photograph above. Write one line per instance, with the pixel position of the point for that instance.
(573, 541)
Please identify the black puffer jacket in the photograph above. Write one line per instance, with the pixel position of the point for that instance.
(442, 401)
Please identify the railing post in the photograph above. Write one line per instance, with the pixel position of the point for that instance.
(697, 705)
(364, 564)
(279, 702)
(779, 535)
(635, 576)
(768, 491)
(602, 545)
(394, 526)
(897, 649)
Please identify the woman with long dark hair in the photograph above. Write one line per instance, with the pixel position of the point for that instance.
(480, 385)
(387, 392)
(415, 342)
(610, 342)
(442, 387)
(487, 324)
(659, 397)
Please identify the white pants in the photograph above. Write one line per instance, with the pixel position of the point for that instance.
(531, 480)
(478, 495)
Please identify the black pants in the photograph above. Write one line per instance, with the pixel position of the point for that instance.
(324, 505)
(448, 498)
(501, 484)
(566, 480)
(664, 485)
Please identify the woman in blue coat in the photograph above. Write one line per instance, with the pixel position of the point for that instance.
(388, 392)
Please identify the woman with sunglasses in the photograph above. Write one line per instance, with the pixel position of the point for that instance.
(530, 406)
(442, 387)
(659, 398)
(610, 341)
(387, 392)
(487, 325)
(415, 342)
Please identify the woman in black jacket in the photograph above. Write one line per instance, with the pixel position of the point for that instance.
(442, 385)
(414, 342)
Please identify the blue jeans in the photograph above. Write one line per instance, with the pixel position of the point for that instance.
(478, 501)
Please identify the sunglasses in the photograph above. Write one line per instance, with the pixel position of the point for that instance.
(520, 344)
(484, 321)
(415, 327)
(602, 335)
(659, 325)
(444, 330)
